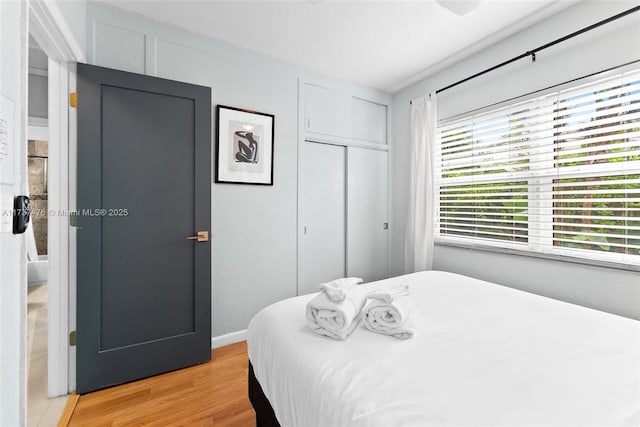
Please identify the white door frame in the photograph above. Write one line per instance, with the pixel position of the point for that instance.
(49, 28)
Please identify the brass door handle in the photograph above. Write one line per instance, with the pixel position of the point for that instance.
(202, 236)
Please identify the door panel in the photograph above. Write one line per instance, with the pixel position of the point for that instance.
(327, 111)
(368, 121)
(367, 237)
(144, 174)
(324, 207)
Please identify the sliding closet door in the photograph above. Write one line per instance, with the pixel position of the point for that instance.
(323, 213)
(367, 218)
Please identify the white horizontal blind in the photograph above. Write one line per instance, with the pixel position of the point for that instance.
(558, 173)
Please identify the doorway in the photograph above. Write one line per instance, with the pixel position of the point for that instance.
(41, 410)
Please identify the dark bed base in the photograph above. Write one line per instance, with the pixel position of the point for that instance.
(265, 417)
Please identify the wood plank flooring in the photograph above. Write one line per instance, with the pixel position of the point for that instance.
(210, 394)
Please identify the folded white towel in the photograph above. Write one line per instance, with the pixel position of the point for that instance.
(336, 319)
(393, 318)
(337, 289)
(389, 294)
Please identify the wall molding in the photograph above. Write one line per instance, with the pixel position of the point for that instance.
(38, 72)
(38, 128)
(230, 338)
(49, 28)
(343, 142)
(161, 31)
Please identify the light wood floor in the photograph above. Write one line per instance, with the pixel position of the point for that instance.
(41, 411)
(213, 393)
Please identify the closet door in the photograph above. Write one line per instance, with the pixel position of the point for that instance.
(327, 112)
(367, 219)
(323, 213)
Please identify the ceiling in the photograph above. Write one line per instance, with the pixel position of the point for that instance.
(382, 44)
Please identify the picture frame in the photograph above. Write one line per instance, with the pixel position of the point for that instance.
(244, 146)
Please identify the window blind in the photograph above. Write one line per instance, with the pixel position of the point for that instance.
(558, 173)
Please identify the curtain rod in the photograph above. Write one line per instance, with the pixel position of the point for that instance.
(532, 52)
(586, 76)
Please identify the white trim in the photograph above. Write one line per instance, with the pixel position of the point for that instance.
(38, 121)
(231, 338)
(38, 129)
(72, 186)
(51, 31)
(542, 255)
(344, 142)
(390, 193)
(299, 175)
(58, 223)
(38, 72)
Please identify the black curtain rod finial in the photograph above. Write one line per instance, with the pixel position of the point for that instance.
(533, 57)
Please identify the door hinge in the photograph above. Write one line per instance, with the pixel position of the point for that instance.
(73, 99)
(72, 338)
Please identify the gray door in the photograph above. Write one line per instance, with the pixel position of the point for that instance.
(144, 187)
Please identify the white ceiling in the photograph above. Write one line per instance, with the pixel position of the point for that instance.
(382, 44)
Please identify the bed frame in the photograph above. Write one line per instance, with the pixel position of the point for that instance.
(265, 417)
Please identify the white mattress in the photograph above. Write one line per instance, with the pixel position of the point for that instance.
(483, 354)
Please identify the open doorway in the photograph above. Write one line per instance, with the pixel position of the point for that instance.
(41, 410)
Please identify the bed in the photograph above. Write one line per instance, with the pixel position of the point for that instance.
(483, 355)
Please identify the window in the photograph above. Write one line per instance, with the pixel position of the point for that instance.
(558, 173)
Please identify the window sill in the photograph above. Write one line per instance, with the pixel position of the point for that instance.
(552, 257)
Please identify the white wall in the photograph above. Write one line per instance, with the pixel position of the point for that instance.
(616, 291)
(75, 14)
(254, 240)
(13, 279)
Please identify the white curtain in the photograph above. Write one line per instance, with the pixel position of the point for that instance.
(420, 218)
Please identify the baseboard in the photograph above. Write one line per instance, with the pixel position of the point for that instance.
(227, 339)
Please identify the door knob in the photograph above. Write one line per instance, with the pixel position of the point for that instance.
(202, 236)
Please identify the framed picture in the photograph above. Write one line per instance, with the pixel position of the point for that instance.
(244, 146)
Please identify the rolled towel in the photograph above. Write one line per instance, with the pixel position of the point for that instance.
(337, 289)
(390, 294)
(393, 318)
(336, 319)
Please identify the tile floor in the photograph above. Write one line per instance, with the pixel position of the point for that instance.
(40, 410)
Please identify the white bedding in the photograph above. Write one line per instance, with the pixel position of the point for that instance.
(483, 354)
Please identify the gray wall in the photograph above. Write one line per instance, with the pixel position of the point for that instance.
(38, 96)
(254, 227)
(38, 64)
(612, 290)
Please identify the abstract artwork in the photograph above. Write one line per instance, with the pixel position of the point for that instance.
(244, 146)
